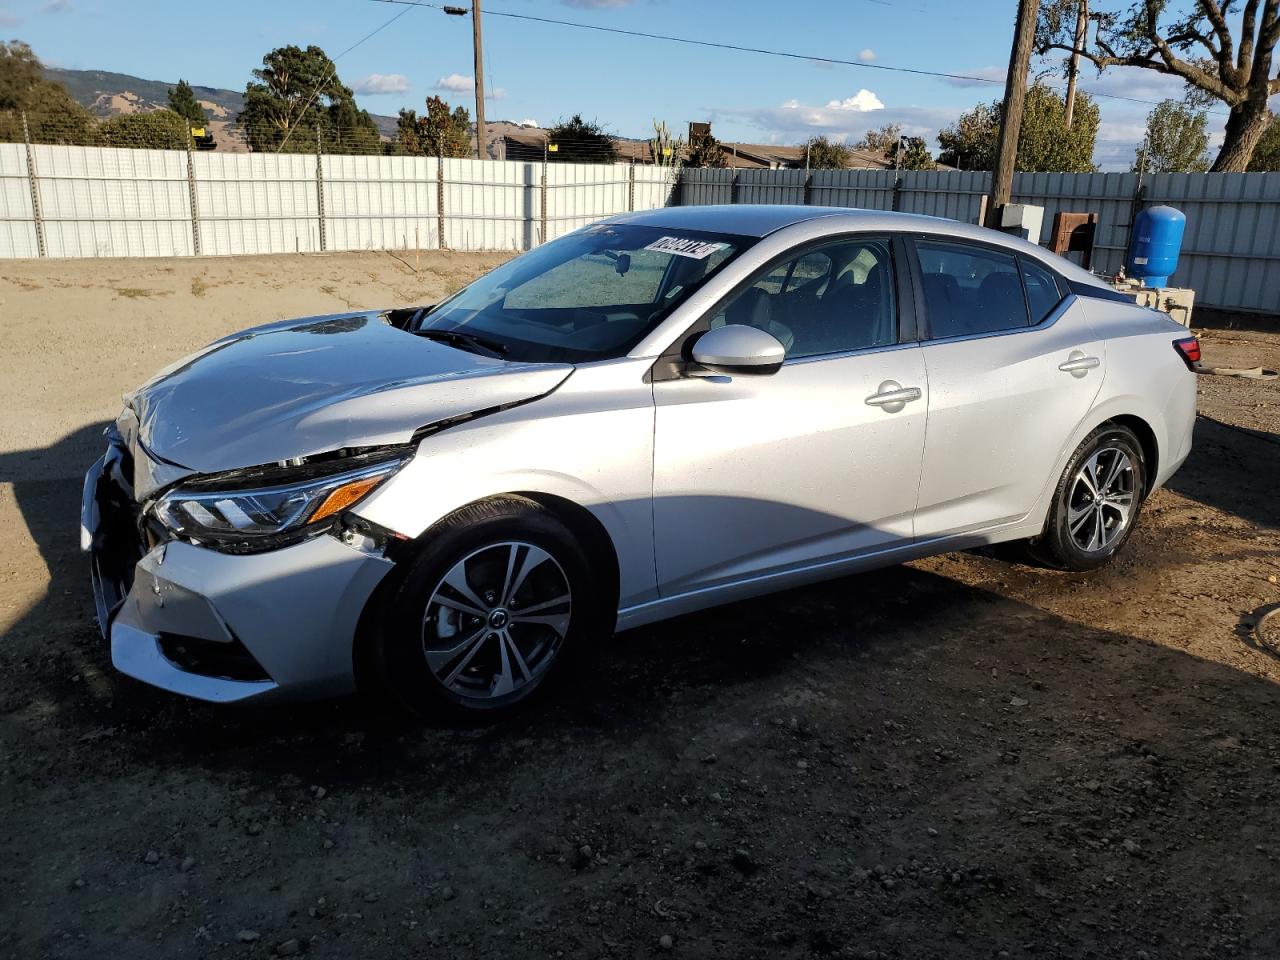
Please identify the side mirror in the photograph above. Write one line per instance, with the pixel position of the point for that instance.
(738, 349)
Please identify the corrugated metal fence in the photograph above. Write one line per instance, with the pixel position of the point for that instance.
(1230, 256)
(62, 201)
(109, 202)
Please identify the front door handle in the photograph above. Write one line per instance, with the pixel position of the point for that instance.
(893, 396)
(1078, 365)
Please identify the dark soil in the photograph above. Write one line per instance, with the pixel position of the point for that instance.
(955, 758)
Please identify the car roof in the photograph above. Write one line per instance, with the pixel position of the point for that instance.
(762, 219)
(744, 219)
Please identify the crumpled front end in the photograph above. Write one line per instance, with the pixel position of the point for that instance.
(216, 626)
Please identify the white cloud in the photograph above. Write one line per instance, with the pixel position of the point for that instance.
(56, 6)
(8, 19)
(794, 115)
(380, 83)
(456, 83)
(459, 83)
(866, 55)
(860, 102)
(794, 122)
(528, 122)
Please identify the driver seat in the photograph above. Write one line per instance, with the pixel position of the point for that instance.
(754, 308)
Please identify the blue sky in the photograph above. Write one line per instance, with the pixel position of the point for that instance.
(542, 72)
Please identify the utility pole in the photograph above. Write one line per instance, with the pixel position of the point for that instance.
(1015, 95)
(481, 134)
(1082, 26)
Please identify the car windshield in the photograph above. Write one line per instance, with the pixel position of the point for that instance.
(591, 295)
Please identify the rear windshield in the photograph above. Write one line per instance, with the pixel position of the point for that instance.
(591, 295)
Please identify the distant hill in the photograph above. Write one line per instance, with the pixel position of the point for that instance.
(108, 94)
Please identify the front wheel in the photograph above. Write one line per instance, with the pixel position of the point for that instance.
(498, 596)
(1097, 501)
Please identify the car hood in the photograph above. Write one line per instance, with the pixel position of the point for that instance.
(305, 387)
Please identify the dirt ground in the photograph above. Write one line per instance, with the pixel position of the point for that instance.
(954, 758)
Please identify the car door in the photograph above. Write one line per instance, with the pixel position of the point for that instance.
(1013, 368)
(757, 474)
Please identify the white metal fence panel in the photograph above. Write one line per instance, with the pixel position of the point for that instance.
(1231, 251)
(578, 193)
(771, 186)
(953, 194)
(654, 187)
(112, 202)
(865, 189)
(257, 202)
(17, 220)
(701, 186)
(100, 201)
(491, 204)
(380, 203)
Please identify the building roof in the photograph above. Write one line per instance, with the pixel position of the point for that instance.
(740, 156)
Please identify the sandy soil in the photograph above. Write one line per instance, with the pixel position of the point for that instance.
(958, 757)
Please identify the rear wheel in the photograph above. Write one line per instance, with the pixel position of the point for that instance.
(497, 598)
(1097, 501)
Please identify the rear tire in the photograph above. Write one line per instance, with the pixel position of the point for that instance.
(1096, 502)
(498, 597)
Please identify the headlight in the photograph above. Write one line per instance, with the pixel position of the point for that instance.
(267, 516)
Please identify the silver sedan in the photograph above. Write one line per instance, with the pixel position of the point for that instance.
(655, 414)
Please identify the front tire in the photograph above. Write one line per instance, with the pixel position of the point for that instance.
(1096, 502)
(498, 596)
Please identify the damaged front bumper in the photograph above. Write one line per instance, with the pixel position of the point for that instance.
(216, 626)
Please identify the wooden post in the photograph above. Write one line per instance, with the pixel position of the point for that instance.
(1082, 24)
(631, 185)
(1015, 95)
(478, 43)
(35, 187)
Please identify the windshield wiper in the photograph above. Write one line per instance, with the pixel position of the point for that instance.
(467, 341)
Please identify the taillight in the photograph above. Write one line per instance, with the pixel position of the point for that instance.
(1189, 349)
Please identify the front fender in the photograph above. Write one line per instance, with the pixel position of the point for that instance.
(590, 442)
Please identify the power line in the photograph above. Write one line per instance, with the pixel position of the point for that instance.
(742, 48)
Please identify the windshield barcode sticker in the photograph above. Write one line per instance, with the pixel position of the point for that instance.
(683, 247)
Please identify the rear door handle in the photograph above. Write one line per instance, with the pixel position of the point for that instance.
(1078, 365)
(893, 396)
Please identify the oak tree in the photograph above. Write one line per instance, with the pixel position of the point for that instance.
(1044, 144)
(1176, 140)
(295, 98)
(1220, 48)
(826, 154)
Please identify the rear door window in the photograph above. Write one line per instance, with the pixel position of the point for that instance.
(970, 290)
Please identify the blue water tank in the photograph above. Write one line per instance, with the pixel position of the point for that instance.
(1157, 238)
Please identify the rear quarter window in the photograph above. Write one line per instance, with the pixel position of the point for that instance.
(1043, 290)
